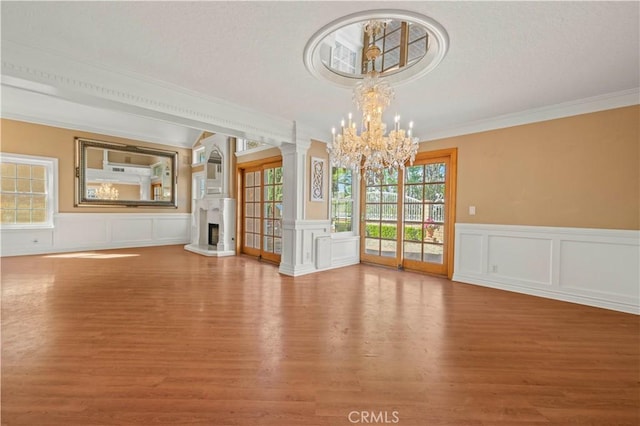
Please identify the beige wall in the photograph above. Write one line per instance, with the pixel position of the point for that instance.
(34, 139)
(317, 210)
(580, 171)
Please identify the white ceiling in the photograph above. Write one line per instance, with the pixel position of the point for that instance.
(504, 58)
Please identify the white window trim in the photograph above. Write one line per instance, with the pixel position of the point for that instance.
(355, 209)
(51, 165)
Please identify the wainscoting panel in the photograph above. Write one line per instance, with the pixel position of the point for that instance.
(345, 251)
(132, 230)
(95, 231)
(80, 230)
(170, 229)
(520, 258)
(471, 256)
(596, 267)
(304, 236)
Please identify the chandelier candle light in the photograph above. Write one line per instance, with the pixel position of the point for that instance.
(372, 151)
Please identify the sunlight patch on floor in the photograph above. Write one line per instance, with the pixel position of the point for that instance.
(89, 255)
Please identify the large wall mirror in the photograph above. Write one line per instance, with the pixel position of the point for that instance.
(109, 174)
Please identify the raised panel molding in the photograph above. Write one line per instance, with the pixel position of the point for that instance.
(595, 267)
(98, 231)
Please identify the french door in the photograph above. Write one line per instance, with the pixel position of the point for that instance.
(262, 211)
(408, 215)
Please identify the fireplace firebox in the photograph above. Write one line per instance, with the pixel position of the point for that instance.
(213, 234)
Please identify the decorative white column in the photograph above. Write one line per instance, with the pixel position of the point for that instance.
(294, 260)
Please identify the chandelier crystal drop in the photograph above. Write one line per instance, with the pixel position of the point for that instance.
(372, 150)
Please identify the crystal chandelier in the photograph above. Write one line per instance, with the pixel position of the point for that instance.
(107, 192)
(371, 150)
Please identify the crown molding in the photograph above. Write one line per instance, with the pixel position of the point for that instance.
(52, 74)
(604, 102)
(146, 137)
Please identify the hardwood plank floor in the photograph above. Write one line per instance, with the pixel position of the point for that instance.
(163, 336)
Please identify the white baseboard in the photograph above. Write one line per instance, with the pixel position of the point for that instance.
(595, 267)
(98, 231)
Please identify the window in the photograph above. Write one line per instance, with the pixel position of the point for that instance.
(401, 44)
(28, 196)
(343, 59)
(341, 200)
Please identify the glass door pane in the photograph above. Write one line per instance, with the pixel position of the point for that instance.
(425, 216)
(272, 213)
(251, 212)
(380, 225)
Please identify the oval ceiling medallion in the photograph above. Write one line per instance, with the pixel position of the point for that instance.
(407, 46)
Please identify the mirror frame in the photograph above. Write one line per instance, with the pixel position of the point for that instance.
(81, 185)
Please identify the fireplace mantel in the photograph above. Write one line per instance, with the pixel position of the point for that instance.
(218, 211)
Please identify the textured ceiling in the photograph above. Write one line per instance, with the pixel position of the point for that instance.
(504, 57)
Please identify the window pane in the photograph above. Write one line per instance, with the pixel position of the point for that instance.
(389, 231)
(8, 170)
(8, 216)
(413, 193)
(248, 209)
(38, 216)
(389, 211)
(268, 210)
(413, 232)
(413, 251)
(372, 229)
(388, 248)
(278, 211)
(416, 32)
(248, 240)
(23, 185)
(38, 186)
(373, 195)
(268, 227)
(278, 175)
(268, 176)
(417, 50)
(372, 211)
(414, 174)
(434, 192)
(268, 193)
(277, 245)
(268, 244)
(8, 184)
(249, 179)
(24, 171)
(372, 246)
(413, 212)
(39, 202)
(435, 172)
(23, 216)
(23, 201)
(433, 253)
(277, 228)
(8, 201)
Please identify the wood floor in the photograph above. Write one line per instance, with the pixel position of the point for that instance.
(163, 336)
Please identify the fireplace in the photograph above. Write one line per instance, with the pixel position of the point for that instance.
(213, 234)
